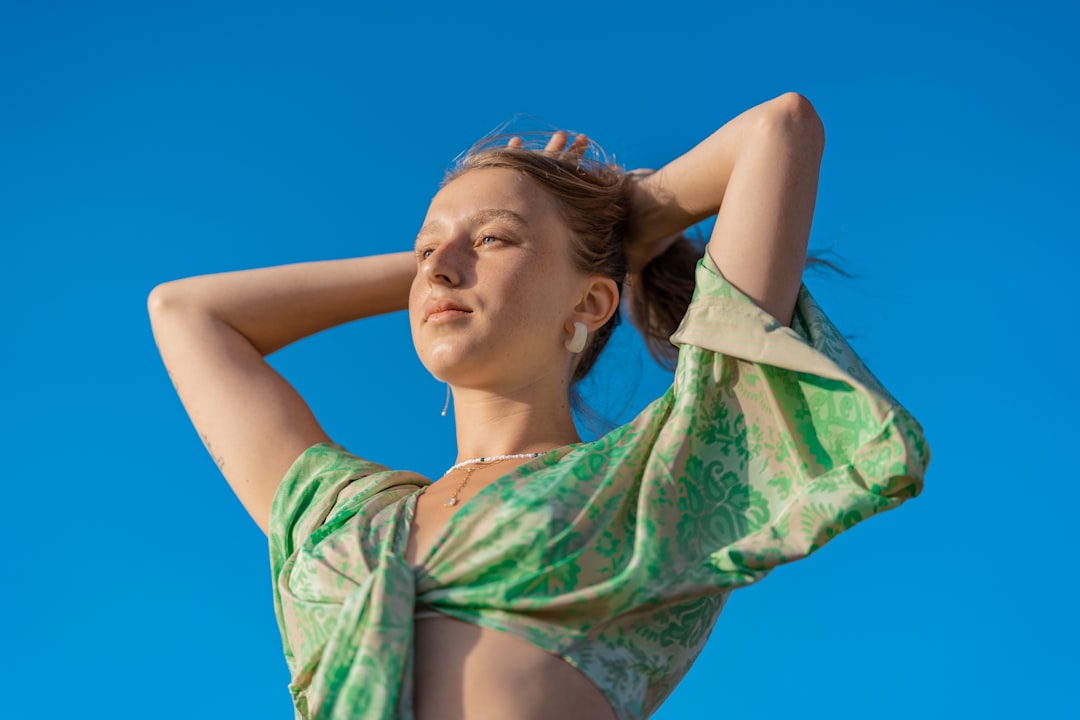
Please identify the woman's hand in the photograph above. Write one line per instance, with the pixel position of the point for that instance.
(645, 240)
(559, 143)
(647, 237)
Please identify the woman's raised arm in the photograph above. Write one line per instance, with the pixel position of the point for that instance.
(213, 332)
(759, 175)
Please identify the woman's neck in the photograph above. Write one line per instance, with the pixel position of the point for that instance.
(535, 419)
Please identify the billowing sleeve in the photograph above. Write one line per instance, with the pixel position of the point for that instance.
(774, 439)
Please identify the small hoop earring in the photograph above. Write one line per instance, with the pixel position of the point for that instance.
(447, 405)
(577, 343)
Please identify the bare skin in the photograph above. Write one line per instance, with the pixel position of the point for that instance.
(758, 173)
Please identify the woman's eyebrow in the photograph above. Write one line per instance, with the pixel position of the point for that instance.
(428, 228)
(499, 214)
(481, 216)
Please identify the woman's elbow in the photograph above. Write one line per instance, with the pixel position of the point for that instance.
(167, 298)
(160, 299)
(793, 115)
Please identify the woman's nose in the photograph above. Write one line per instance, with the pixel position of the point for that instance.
(444, 265)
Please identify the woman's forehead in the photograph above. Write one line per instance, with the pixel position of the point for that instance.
(493, 193)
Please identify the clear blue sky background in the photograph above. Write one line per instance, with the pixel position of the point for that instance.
(141, 142)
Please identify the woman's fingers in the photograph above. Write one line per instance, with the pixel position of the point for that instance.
(578, 147)
(558, 144)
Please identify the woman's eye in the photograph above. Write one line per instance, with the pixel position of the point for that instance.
(488, 238)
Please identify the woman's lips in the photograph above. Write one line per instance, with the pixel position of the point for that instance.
(444, 310)
(444, 316)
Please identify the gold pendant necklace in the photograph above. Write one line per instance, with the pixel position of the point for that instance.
(471, 464)
(454, 498)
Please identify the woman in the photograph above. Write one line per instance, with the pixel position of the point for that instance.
(584, 579)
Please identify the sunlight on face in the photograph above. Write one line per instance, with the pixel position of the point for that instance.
(495, 286)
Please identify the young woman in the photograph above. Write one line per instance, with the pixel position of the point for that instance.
(544, 577)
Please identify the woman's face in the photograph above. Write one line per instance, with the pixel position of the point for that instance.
(495, 288)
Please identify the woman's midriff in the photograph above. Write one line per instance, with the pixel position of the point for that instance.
(467, 671)
(463, 670)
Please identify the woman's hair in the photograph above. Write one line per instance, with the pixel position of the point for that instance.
(662, 294)
(593, 195)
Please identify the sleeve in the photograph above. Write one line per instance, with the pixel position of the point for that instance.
(782, 437)
(311, 489)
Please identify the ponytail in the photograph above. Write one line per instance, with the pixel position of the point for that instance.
(661, 294)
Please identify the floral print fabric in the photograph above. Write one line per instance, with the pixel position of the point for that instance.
(616, 555)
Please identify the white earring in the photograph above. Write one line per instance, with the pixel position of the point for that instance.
(577, 343)
(447, 405)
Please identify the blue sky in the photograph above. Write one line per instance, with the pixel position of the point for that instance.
(141, 142)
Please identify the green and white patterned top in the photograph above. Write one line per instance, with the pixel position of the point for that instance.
(616, 555)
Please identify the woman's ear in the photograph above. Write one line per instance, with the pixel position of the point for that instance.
(599, 302)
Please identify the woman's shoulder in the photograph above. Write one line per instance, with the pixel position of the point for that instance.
(325, 478)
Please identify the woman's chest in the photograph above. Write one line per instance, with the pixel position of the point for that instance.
(434, 511)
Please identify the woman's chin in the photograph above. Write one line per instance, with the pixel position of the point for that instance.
(449, 363)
